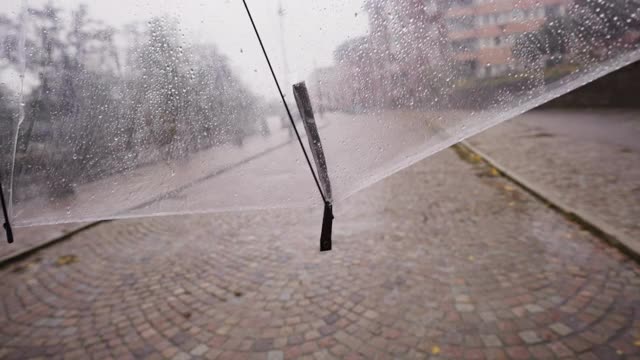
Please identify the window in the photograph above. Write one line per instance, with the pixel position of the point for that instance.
(429, 5)
(460, 23)
(509, 39)
(529, 14)
(554, 10)
(482, 71)
(518, 15)
(460, 3)
(464, 45)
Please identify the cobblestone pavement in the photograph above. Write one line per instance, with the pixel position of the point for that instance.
(587, 159)
(442, 260)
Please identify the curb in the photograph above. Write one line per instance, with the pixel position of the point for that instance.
(7, 261)
(587, 221)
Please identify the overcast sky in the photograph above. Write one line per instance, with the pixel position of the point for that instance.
(312, 29)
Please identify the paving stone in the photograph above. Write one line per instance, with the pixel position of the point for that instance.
(331, 318)
(465, 307)
(263, 344)
(491, 340)
(577, 344)
(518, 352)
(560, 349)
(199, 350)
(533, 308)
(275, 355)
(530, 337)
(488, 316)
(561, 329)
(181, 356)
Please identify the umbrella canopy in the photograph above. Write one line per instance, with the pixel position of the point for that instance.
(131, 108)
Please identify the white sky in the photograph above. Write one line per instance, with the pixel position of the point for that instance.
(313, 29)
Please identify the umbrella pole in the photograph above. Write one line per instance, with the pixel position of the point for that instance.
(301, 95)
(325, 237)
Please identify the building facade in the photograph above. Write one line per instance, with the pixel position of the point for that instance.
(482, 33)
(394, 64)
(415, 48)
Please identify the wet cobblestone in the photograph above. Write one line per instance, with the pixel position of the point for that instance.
(442, 260)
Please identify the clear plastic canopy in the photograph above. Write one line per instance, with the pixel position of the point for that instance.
(126, 108)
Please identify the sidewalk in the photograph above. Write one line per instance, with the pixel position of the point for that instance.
(143, 190)
(29, 238)
(585, 160)
(104, 199)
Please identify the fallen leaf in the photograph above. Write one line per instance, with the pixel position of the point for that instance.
(66, 260)
(471, 258)
(435, 350)
(637, 343)
(494, 172)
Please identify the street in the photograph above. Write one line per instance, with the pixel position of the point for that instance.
(445, 259)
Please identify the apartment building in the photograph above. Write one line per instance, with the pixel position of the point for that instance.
(482, 33)
(411, 42)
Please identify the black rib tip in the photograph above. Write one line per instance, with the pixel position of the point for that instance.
(327, 225)
(9, 231)
(5, 213)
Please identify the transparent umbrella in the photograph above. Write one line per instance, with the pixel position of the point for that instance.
(133, 108)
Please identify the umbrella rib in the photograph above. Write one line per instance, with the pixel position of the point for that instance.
(284, 102)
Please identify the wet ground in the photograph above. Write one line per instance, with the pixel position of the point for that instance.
(589, 160)
(442, 260)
